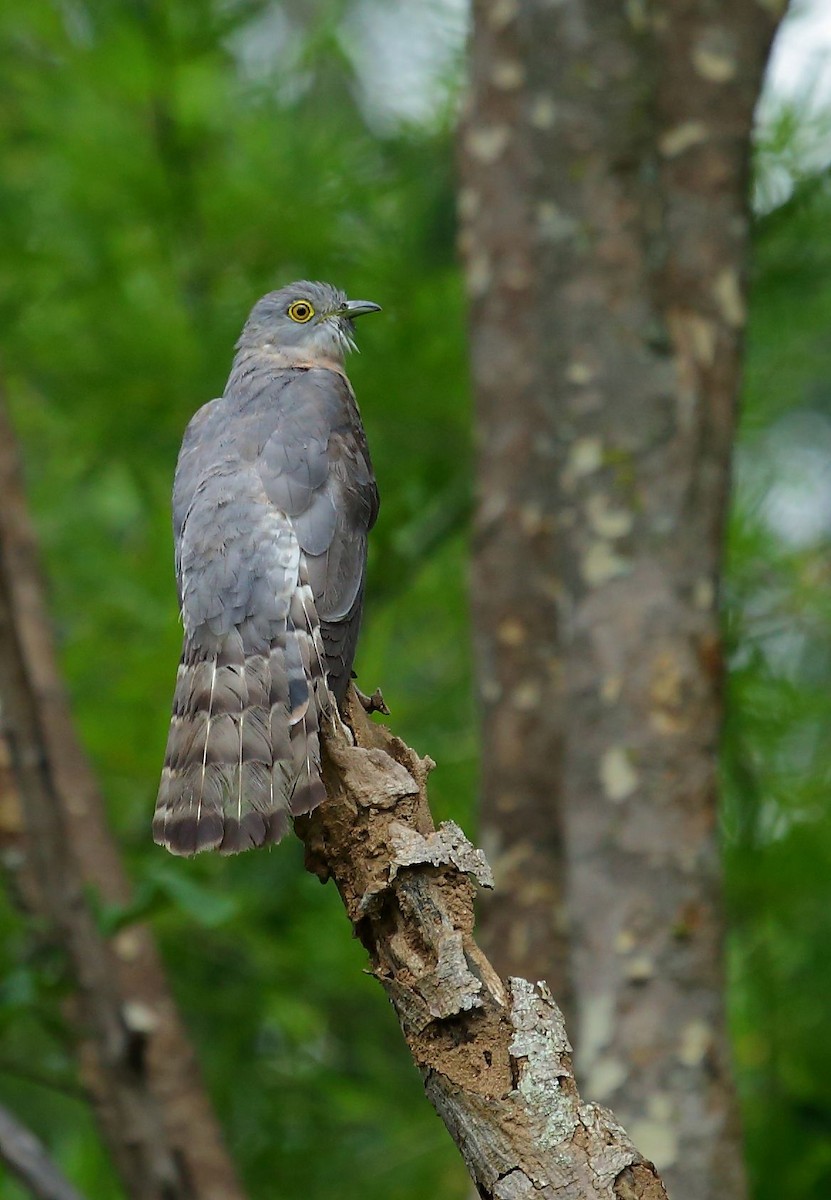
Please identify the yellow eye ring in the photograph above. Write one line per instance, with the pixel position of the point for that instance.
(301, 311)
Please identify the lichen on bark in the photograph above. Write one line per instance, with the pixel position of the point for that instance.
(494, 1056)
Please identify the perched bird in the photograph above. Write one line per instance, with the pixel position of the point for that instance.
(273, 498)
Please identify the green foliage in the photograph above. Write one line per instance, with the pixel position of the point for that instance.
(777, 752)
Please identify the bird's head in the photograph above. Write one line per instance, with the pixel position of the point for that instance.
(305, 320)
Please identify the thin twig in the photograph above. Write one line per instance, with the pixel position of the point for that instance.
(26, 1158)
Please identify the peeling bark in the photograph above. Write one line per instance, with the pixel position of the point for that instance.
(494, 1057)
(604, 163)
(136, 1062)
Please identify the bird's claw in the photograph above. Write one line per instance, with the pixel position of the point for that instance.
(340, 726)
(374, 703)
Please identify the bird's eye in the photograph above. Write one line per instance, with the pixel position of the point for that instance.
(301, 311)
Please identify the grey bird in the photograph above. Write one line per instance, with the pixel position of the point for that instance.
(273, 498)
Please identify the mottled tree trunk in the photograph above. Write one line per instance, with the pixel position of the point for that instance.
(604, 168)
(494, 1056)
(515, 609)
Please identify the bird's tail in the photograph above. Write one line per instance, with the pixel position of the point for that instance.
(243, 751)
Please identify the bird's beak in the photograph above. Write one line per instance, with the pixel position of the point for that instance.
(357, 308)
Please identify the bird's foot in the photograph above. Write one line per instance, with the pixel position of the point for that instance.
(345, 729)
(374, 703)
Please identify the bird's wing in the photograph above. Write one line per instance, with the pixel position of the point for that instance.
(243, 748)
(195, 456)
(316, 467)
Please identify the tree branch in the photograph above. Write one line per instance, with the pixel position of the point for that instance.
(26, 1158)
(135, 1059)
(495, 1058)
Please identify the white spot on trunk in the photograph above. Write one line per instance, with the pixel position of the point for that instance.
(128, 945)
(501, 13)
(704, 594)
(468, 203)
(625, 941)
(139, 1017)
(713, 61)
(511, 632)
(585, 456)
(728, 296)
(606, 521)
(666, 683)
(486, 144)
(703, 338)
(640, 969)
(508, 75)
(553, 225)
(543, 112)
(526, 697)
(479, 274)
(681, 137)
(660, 1106)
(507, 802)
(605, 1077)
(600, 564)
(668, 723)
(617, 775)
(492, 509)
(696, 1040)
(596, 1029)
(579, 372)
(656, 1140)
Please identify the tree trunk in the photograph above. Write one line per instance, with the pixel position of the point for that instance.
(604, 165)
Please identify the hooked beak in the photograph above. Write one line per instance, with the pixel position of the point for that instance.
(357, 308)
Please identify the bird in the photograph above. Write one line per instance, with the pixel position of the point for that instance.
(274, 494)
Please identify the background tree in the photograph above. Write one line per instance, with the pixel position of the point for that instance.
(606, 230)
(161, 165)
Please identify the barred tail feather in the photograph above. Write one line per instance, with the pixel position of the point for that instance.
(243, 752)
(308, 790)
